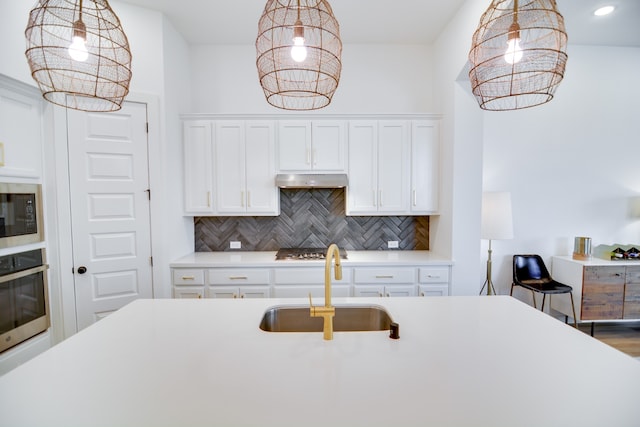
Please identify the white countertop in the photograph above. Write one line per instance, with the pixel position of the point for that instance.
(460, 361)
(268, 259)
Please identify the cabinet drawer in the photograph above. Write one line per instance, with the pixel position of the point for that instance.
(307, 276)
(433, 275)
(384, 275)
(238, 277)
(188, 277)
(603, 293)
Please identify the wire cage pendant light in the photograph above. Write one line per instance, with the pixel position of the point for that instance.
(518, 54)
(298, 51)
(79, 54)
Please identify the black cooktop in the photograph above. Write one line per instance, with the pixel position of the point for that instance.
(305, 254)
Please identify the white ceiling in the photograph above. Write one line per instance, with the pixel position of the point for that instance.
(384, 21)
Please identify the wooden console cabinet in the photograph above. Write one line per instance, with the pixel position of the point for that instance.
(602, 290)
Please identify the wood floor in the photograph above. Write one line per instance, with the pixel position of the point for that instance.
(623, 336)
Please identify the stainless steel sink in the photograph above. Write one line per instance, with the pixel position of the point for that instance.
(287, 318)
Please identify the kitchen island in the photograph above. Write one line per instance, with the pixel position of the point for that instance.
(460, 361)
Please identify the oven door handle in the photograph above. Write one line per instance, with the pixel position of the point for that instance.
(23, 273)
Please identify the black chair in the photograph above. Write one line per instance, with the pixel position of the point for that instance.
(530, 272)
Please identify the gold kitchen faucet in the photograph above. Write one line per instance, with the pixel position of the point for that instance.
(328, 311)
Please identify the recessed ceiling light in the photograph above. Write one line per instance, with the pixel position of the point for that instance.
(605, 10)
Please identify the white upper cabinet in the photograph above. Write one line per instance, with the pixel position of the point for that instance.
(425, 166)
(237, 159)
(245, 168)
(379, 168)
(21, 130)
(198, 173)
(318, 146)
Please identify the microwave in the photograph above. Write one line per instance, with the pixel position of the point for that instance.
(21, 220)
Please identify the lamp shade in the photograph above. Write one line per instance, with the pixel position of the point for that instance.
(518, 54)
(298, 51)
(94, 76)
(497, 222)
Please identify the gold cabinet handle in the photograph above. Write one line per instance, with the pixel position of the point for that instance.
(415, 198)
(208, 199)
(237, 277)
(188, 277)
(382, 276)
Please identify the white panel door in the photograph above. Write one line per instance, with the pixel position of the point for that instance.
(109, 186)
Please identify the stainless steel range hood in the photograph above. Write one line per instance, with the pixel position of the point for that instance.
(305, 180)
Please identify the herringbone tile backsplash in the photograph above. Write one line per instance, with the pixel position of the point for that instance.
(311, 218)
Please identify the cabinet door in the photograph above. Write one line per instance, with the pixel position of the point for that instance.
(254, 292)
(368, 290)
(198, 172)
(632, 293)
(362, 192)
(188, 292)
(425, 171)
(262, 195)
(603, 292)
(230, 167)
(393, 167)
(433, 290)
(400, 291)
(328, 146)
(224, 292)
(294, 145)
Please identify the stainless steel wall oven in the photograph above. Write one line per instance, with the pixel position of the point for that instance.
(21, 219)
(24, 299)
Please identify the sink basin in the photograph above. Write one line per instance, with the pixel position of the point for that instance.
(352, 318)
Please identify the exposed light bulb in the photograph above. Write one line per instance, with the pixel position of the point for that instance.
(298, 50)
(78, 47)
(514, 51)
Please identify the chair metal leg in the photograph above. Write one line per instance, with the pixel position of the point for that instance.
(511, 292)
(573, 309)
(543, 298)
(533, 294)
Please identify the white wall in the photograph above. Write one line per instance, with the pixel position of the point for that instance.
(374, 79)
(457, 231)
(572, 165)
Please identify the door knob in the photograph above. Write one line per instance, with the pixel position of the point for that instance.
(82, 269)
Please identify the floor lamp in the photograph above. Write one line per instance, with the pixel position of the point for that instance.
(497, 224)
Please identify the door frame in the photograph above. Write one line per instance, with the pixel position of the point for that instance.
(60, 193)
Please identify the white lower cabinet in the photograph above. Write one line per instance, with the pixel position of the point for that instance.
(433, 281)
(384, 282)
(194, 292)
(316, 291)
(238, 283)
(384, 291)
(188, 283)
(238, 292)
(299, 282)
